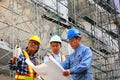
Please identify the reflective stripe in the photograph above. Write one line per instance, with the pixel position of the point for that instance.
(21, 77)
(30, 75)
(63, 58)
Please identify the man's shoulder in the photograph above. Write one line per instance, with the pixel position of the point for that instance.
(84, 46)
(49, 54)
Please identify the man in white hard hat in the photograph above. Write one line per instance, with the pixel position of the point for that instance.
(55, 45)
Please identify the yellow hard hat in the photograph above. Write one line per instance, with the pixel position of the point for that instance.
(35, 38)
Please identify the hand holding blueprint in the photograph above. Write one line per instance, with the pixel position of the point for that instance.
(50, 70)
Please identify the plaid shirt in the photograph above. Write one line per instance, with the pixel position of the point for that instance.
(22, 65)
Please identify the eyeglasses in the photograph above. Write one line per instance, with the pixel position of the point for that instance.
(34, 42)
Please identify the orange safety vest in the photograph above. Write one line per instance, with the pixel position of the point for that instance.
(63, 58)
(30, 76)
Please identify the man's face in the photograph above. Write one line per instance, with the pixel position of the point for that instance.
(74, 42)
(55, 46)
(33, 46)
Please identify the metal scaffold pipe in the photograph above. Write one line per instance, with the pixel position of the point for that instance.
(119, 41)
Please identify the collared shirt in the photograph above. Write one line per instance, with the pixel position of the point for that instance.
(57, 57)
(79, 63)
(22, 65)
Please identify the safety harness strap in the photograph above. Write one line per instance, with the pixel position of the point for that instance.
(30, 75)
(63, 58)
(29, 67)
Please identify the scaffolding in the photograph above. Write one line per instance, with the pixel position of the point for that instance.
(97, 20)
(105, 41)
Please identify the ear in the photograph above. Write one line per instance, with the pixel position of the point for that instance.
(79, 39)
(60, 45)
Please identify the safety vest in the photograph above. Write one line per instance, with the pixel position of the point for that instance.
(63, 58)
(30, 76)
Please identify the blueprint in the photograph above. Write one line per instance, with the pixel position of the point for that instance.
(50, 70)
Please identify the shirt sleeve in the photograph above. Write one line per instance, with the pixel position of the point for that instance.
(46, 58)
(20, 58)
(66, 63)
(85, 62)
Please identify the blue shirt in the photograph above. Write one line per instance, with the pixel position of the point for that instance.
(57, 57)
(79, 63)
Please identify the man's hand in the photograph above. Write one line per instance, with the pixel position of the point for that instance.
(17, 51)
(66, 72)
(11, 66)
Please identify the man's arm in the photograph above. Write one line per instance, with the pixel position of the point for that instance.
(84, 64)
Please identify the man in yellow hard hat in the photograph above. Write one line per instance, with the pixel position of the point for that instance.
(24, 71)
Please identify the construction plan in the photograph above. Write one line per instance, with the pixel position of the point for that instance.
(50, 70)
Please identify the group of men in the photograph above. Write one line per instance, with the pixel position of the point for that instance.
(77, 64)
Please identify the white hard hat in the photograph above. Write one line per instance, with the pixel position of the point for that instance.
(55, 38)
